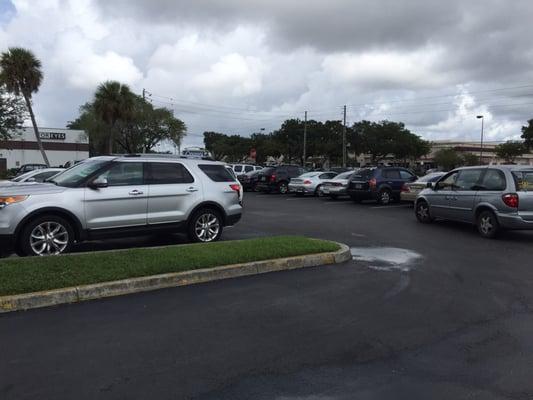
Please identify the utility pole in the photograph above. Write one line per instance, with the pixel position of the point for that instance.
(344, 139)
(144, 94)
(305, 139)
(481, 150)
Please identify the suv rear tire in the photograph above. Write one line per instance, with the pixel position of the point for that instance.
(283, 188)
(205, 226)
(487, 224)
(46, 235)
(384, 197)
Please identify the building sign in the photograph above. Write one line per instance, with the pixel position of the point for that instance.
(53, 135)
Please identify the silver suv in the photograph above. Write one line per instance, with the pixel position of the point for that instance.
(492, 198)
(115, 196)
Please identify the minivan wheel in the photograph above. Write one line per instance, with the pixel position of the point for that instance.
(45, 236)
(205, 226)
(487, 224)
(384, 197)
(422, 212)
(283, 188)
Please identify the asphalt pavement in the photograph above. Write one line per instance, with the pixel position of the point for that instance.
(423, 311)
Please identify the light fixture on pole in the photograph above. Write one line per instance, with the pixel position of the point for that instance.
(481, 151)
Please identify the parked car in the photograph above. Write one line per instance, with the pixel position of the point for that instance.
(249, 180)
(29, 167)
(119, 196)
(276, 179)
(410, 190)
(336, 187)
(382, 184)
(492, 198)
(35, 176)
(310, 182)
(245, 168)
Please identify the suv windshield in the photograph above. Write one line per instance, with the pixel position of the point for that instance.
(72, 177)
(365, 173)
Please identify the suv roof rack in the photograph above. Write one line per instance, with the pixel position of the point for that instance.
(159, 155)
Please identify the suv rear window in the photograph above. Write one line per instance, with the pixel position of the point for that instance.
(524, 180)
(365, 173)
(217, 173)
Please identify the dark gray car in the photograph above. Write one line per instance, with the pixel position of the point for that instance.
(491, 197)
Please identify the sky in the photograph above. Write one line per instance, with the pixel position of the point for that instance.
(243, 66)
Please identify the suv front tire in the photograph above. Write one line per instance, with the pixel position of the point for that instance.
(46, 235)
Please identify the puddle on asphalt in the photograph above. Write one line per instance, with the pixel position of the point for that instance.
(386, 258)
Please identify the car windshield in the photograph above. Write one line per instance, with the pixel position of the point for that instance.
(431, 177)
(344, 175)
(22, 177)
(309, 174)
(73, 176)
(364, 173)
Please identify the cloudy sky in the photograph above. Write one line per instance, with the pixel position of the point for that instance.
(238, 66)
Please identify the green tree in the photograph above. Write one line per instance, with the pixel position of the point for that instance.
(12, 114)
(510, 150)
(20, 72)
(470, 159)
(527, 134)
(447, 158)
(113, 101)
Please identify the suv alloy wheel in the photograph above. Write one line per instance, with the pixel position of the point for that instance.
(384, 197)
(46, 235)
(205, 226)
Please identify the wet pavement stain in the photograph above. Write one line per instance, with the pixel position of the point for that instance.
(386, 258)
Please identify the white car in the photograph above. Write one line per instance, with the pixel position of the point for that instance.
(35, 176)
(240, 169)
(310, 182)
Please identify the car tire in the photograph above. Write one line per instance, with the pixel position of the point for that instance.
(56, 232)
(205, 226)
(318, 191)
(487, 224)
(283, 188)
(384, 197)
(422, 212)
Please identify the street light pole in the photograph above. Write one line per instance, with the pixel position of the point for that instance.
(305, 139)
(344, 138)
(481, 151)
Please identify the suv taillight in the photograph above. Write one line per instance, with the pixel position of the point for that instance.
(372, 183)
(405, 188)
(510, 200)
(236, 187)
(272, 178)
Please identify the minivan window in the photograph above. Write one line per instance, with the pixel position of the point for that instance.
(494, 180)
(468, 179)
(448, 182)
(524, 180)
(248, 168)
(237, 168)
(217, 173)
(168, 173)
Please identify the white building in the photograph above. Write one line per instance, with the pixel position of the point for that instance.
(61, 145)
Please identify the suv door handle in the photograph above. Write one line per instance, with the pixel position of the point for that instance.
(191, 189)
(135, 192)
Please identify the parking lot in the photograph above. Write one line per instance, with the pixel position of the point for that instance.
(428, 309)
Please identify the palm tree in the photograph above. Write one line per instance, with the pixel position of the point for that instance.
(113, 101)
(20, 72)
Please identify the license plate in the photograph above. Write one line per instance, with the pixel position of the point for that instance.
(358, 186)
(263, 178)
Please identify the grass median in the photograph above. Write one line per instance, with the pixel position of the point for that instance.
(35, 274)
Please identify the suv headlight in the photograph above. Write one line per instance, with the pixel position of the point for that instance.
(7, 200)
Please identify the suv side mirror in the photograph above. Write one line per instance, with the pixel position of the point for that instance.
(98, 183)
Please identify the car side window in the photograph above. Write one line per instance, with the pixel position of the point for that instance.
(391, 174)
(248, 168)
(468, 179)
(44, 176)
(168, 173)
(124, 174)
(406, 175)
(494, 180)
(237, 168)
(448, 182)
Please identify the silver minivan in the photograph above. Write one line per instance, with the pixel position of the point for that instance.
(492, 197)
(119, 196)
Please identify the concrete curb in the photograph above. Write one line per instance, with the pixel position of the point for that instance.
(134, 285)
